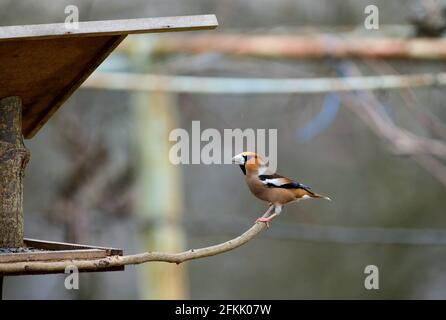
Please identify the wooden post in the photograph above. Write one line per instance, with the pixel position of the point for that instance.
(13, 159)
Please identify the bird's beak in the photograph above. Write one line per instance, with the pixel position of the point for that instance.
(238, 159)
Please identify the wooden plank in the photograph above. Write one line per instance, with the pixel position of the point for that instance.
(45, 73)
(54, 245)
(53, 255)
(110, 27)
(60, 251)
(44, 65)
(30, 273)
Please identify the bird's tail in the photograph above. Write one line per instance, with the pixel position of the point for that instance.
(305, 192)
(318, 196)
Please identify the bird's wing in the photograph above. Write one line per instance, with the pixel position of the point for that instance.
(278, 181)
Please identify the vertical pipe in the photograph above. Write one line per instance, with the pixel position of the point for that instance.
(159, 201)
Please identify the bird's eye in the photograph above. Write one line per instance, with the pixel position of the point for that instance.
(245, 157)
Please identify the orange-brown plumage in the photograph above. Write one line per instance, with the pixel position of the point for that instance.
(273, 188)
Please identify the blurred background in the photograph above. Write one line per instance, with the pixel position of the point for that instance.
(95, 171)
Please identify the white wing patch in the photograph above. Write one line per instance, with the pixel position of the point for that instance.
(278, 182)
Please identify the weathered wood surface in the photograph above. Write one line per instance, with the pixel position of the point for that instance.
(54, 245)
(43, 267)
(45, 64)
(13, 159)
(51, 251)
(53, 255)
(110, 27)
(45, 73)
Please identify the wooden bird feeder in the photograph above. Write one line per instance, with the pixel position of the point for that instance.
(40, 67)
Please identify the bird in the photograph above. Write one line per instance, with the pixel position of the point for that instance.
(275, 189)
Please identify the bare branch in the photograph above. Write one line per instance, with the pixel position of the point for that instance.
(402, 141)
(116, 261)
(299, 46)
(218, 85)
(423, 115)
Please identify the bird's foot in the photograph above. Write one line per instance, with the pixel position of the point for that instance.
(264, 220)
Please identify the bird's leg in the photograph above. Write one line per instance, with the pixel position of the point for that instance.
(266, 218)
(266, 214)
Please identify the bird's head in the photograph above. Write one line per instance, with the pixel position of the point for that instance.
(249, 161)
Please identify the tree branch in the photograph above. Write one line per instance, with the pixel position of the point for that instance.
(401, 141)
(299, 46)
(117, 261)
(219, 85)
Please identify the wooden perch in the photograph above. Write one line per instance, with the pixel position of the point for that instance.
(116, 261)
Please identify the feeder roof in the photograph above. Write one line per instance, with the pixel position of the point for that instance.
(44, 64)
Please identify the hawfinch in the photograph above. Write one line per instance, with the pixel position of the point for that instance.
(273, 188)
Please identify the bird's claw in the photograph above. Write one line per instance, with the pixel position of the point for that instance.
(264, 220)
